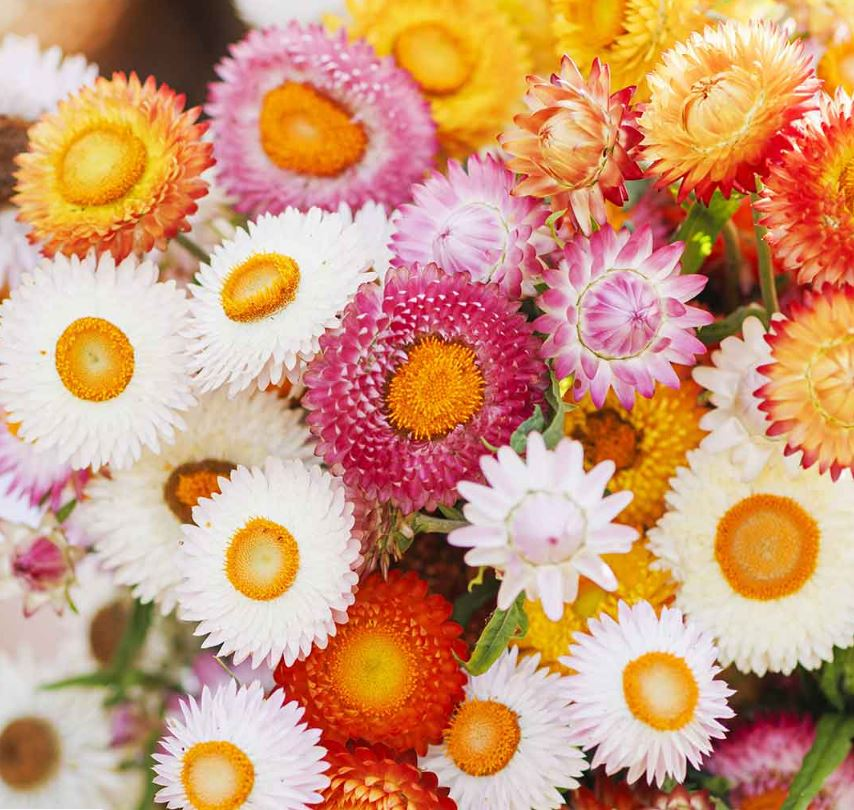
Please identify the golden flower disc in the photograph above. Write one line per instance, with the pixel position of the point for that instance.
(434, 57)
(259, 287)
(661, 690)
(217, 775)
(94, 359)
(305, 131)
(190, 482)
(262, 560)
(29, 753)
(767, 546)
(482, 737)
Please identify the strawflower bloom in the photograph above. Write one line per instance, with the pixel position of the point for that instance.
(542, 523)
(117, 168)
(764, 565)
(759, 760)
(576, 143)
(467, 58)
(637, 580)
(421, 372)
(723, 105)
(302, 118)
(467, 221)
(234, 748)
(808, 397)
(509, 743)
(615, 315)
(807, 201)
(373, 777)
(646, 443)
(645, 693)
(389, 675)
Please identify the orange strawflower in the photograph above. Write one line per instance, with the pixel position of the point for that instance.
(389, 674)
(577, 142)
(117, 168)
(808, 199)
(372, 778)
(809, 396)
(722, 105)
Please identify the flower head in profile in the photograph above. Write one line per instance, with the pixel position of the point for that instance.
(576, 143)
(615, 315)
(543, 522)
(117, 167)
(808, 397)
(807, 201)
(467, 221)
(644, 693)
(722, 106)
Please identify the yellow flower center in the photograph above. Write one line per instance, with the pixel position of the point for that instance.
(304, 131)
(606, 435)
(106, 630)
(767, 546)
(29, 753)
(94, 359)
(846, 184)
(434, 56)
(768, 800)
(373, 670)
(262, 560)
(483, 737)
(217, 775)
(830, 376)
(188, 483)
(101, 164)
(661, 690)
(438, 387)
(261, 286)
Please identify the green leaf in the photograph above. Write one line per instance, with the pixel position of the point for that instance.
(478, 594)
(451, 512)
(554, 432)
(519, 439)
(101, 678)
(717, 331)
(65, 510)
(134, 636)
(502, 626)
(702, 227)
(836, 677)
(832, 743)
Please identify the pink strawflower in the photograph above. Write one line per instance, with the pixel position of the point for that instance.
(615, 314)
(421, 371)
(760, 760)
(468, 222)
(304, 118)
(34, 474)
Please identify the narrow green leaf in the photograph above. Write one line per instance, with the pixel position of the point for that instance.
(519, 439)
(65, 510)
(717, 331)
(836, 677)
(554, 431)
(134, 636)
(702, 227)
(832, 743)
(500, 629)
(98, 679)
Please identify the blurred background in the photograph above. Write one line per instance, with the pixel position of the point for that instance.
(179, 41)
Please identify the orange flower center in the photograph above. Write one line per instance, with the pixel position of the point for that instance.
(94, 359)
(661, 690)
(606, 435)
(262, 560)
(434, 56)
(769, 800)
(373, 670)
(767, 546)
(259, 287)
(217, 775)
(483, 737)
(29, 753)
(830, 377)
(101, 164)
(304, 131)
(846, 184)
(438, 387)
(188, 483)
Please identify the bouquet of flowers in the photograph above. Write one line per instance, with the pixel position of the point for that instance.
(457, 411)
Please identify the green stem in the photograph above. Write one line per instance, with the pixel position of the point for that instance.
(733, 260)
(191, 247)
(427, 524)
(767, 281)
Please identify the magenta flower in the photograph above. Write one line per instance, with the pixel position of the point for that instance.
(615, 315)
(468, 222)
(421, 371)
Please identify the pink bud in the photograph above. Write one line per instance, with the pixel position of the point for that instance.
(42, 565)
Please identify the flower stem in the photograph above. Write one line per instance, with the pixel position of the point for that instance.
(191, 247)
(733, 259)
(424, 524)
(767, 281)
